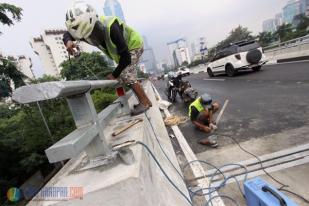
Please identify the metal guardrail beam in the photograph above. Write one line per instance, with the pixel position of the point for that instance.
(76, 142)
(292, 42)
(88, 136)
(52, 90)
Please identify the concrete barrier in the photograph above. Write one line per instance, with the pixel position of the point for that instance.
(294, 51)
(141, 183)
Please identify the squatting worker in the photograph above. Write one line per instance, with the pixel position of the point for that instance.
(117, 40)
(201, 114)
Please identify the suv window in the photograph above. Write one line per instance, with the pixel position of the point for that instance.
(247, 46)
(219, 55)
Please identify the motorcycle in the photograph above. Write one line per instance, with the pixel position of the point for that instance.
(176, 85)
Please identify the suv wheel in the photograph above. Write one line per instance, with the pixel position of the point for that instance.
(229, 70)
(254, 56)
(258, 68)
(210, 73)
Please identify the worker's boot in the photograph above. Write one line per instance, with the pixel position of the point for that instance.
(143, 99)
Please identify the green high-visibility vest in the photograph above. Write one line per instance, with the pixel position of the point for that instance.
(197, 104)
(133, 39)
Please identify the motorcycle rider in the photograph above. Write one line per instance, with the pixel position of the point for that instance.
(117, 40)
(201, 114)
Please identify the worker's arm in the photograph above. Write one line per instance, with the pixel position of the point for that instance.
(68, 41)
(201, 126)
(122, 48)
(194, 119)
(210, 116)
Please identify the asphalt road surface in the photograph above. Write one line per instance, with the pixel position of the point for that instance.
(262, 103)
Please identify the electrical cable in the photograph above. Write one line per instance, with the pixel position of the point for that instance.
(232, 176)
(261, 163)
(163, 171)
(211, 189)
(157, 139)
(295, 194)
(214, 189)
(255, 156)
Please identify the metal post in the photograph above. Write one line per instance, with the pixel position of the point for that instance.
(84, 114)
(45, 123)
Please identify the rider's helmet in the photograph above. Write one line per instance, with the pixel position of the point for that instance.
(80, 20)
(206, 99)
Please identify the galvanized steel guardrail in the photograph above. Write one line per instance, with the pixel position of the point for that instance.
(88, 136)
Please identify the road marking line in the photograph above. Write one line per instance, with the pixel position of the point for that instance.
(196, 167)
(220, 80)
(221, 112)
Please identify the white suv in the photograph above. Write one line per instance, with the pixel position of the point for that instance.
(238, 56)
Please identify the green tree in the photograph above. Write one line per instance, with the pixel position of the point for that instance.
(9, 73)
(86, 66)
(8, 69)
(266, 38)
(238, 34)
(16, 14)
(284, 32)
(302, 22)
(185, 63)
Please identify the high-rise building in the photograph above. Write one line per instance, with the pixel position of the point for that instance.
(292, 9)
(51, 50)
(193, 49)
(304, 7)
(278, 20)
(148, 58)
(23, 63)
(182, 55)
(269, 25)
(113, 8)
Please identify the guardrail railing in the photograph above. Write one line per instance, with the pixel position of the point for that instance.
(288, 44)
(88, 136)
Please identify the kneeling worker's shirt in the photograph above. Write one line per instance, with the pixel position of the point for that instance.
(194, 113)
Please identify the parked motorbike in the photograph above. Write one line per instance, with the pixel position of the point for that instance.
(176, 85)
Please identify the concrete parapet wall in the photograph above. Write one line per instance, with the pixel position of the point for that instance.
(141, 183)
(288, 52)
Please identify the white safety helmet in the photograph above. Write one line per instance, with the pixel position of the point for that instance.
(80, 20)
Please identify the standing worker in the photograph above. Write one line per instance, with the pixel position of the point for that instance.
(117, 40)
(201, 114)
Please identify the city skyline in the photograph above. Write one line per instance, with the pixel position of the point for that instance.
(159, 25)
(286, 15)
(113, 8)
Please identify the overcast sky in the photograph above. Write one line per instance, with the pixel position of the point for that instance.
(160, 21)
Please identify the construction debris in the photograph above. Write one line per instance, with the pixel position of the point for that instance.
(129, 125)
(175, 120)
(164, 104)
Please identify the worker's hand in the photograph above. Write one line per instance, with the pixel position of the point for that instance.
(70, 45)
(205, 129)
(213, 127)
(110, 77)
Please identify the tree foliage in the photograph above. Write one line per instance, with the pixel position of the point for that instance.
(24, 138)
(86, 66)
(286, 32)
(266, 38)
(9, 73)
(14, 11)
(238, 34)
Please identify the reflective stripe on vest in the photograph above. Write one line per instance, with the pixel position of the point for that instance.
(197, 104)
(132, 38)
